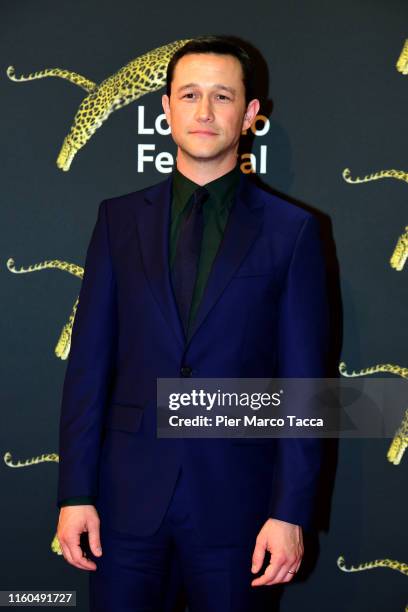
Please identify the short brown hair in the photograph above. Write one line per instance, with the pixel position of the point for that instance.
(222, 45)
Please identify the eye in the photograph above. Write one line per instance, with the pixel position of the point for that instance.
(189, 95)
(223, 97)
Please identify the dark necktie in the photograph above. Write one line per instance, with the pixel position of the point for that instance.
(187, 254)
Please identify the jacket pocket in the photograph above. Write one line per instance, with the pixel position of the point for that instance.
(124, 417)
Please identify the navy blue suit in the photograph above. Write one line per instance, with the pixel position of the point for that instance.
(264, 313)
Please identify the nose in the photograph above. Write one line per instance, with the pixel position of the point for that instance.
(204, 111)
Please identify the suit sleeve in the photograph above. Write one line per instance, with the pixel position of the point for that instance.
(303, 337)
(89, 370)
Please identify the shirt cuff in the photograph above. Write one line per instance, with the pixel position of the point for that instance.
(76, 501)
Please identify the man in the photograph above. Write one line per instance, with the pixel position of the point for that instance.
(248, 299)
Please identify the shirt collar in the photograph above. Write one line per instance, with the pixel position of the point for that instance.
(221, 189)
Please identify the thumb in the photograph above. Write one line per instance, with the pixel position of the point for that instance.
(94, 539)
(258, 558)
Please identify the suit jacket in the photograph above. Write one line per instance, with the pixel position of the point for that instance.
(263, 314)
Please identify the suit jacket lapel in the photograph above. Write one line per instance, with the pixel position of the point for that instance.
(153, 220)
(243, 225)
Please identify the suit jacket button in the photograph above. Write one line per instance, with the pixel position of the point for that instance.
(186, 371)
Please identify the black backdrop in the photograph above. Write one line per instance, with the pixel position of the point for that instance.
(338, 102)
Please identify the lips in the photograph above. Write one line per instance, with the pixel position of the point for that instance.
(204, 133)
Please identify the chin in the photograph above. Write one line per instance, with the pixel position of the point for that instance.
(202, 153)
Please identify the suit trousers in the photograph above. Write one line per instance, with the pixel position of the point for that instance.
(133, 574)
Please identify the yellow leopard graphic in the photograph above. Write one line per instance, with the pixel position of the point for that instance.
(400, 253)
(391, 563)
(32, 461)
(380, 367)
(400, 175)
(138, 77)
(64, 342)
(55, 545)
(399, 442)
(402, 61)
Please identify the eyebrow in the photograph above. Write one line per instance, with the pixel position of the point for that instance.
(215, 86)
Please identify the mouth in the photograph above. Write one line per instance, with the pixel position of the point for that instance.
(203, 133)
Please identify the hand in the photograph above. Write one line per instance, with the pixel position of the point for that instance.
(285, 543)
(74, 520)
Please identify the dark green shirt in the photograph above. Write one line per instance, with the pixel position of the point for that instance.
(216, 210)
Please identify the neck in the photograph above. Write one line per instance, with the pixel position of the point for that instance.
(203, 171)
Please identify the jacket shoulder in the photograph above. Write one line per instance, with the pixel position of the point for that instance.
(279, 205)
(139, 194)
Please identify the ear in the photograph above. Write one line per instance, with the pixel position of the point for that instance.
(166, 107)
(250, 113)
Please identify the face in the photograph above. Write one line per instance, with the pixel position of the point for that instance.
(206, 109)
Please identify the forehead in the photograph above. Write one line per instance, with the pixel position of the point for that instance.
(207, 69)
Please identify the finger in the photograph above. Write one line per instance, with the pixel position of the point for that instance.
(278, 560)
(266, 577)
(285, 574)
(77, 555)
(94, 539)
(258, 557)
(296, 566)
(66, 554)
